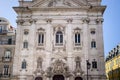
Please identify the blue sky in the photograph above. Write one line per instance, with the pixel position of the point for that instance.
(111, 25)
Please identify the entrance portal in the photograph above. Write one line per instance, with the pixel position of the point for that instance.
(38, 78)
(58, 77)
(78, 78)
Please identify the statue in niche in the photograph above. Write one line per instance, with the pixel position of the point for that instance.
(78, 62)
(78, 71)
(39, 63)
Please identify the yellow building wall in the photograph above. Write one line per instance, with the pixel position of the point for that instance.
(113, 68)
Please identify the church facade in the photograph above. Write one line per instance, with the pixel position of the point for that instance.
(59, 40)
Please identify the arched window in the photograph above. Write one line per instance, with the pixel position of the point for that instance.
(77, 38)
(93, 44)
(59, 37)
(40, 39)
(25, 44)
(23, 66)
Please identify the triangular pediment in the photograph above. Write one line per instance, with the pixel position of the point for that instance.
(59, 3)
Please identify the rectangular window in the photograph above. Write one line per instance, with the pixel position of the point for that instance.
(94, 64)
(23, 66)
(59, 38)
(40, 39)
(6, 69)
(77, 39)
(25, 44)
(7, 55)
(0, 29)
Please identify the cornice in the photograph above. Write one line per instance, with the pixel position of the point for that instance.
(87, 8)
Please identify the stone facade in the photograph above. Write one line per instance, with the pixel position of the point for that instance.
(59, 39)
(7, 49)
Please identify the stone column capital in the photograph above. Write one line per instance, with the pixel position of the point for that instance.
(20, 21)
(48, 20)
(33, 21)
(99, 20)
(69, 20)
(86, 20)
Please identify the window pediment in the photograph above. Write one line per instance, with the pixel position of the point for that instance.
(40, 30)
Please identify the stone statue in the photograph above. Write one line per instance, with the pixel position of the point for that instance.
(39, 63)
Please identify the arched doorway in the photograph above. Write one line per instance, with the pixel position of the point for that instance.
(58, 77)
(38, 78)
(78, 78)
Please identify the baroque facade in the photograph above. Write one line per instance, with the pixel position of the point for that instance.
(7, 48)
(113, 64)
(59, 40)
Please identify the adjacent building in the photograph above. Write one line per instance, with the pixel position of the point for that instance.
(113, 64)
(7, 48)
(59, 40)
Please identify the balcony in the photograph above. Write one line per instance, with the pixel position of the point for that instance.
(6, 59)
(3, 32)
(7, 43)
(2, 76)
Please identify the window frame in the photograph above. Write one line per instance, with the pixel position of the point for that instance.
(59, 38)
(6, 70)
(41, 39)
(77, 38)
(94, 64)
(93, 44)
(24, 64)
(25, 44)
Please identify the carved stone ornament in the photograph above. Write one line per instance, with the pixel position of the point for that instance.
(33, 20)
(99, 20)
(58, 67)
(86, 20)
(78, 71)
(49, 20)
(20, 21)
(59, 3)
(69, 20)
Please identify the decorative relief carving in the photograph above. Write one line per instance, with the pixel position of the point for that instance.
(99, 20)
(86, 20)
(59, 3)
(58, 67)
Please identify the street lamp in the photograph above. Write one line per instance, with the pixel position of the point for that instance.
(88, 67)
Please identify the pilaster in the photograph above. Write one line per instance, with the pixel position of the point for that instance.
(69, 43)
(86, 42)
